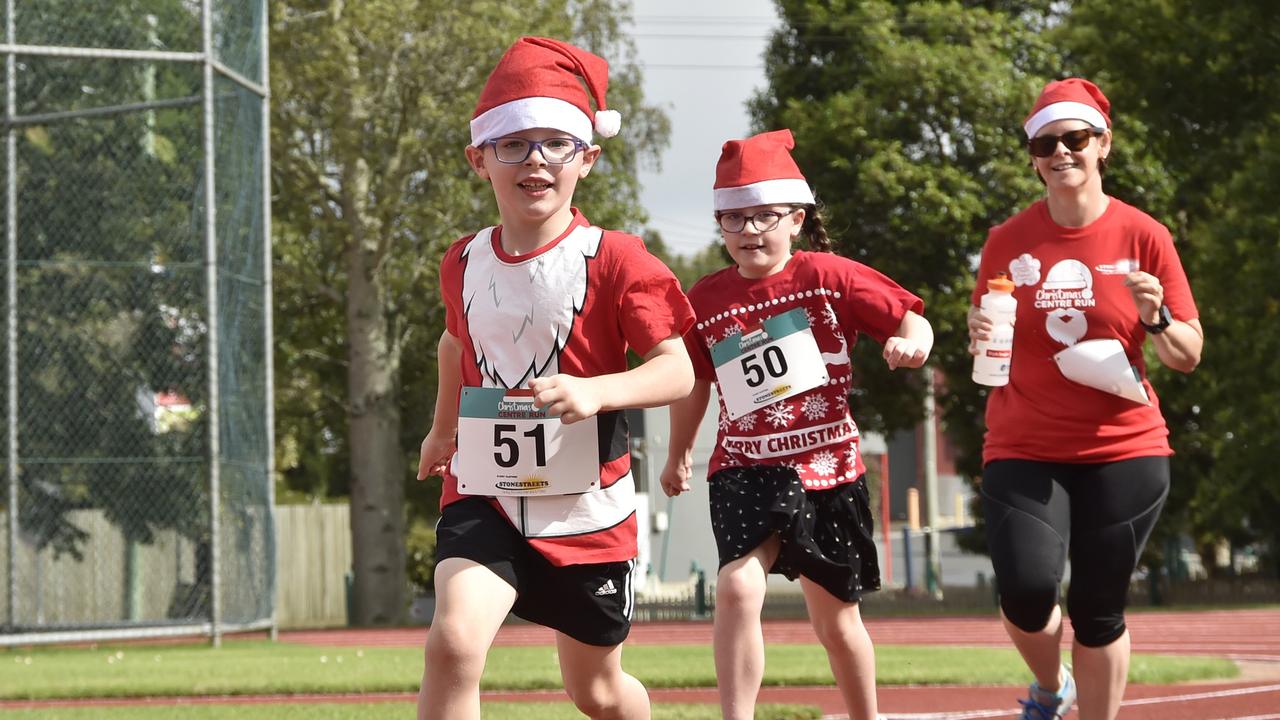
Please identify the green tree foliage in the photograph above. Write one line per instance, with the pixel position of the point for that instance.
(907, 119)
(1203, 78)
(371, 108)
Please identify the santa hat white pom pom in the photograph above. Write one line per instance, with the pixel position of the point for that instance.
(608, 122)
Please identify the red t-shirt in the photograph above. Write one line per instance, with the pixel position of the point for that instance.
(812, 432)
(1069, 284)
(573, 306)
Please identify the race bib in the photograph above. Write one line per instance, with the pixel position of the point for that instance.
(506, 446)
(768, 362)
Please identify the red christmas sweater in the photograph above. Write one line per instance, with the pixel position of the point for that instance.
(573, 306)
(1069, 284)
(812, 432)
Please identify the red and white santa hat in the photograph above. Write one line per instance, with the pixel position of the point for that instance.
(538, 83)
(1069, 99)
(760, 171)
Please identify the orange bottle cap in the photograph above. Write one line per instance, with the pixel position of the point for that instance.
(1000, 283)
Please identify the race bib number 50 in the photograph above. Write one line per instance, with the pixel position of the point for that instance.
(772, 361)
(506, 446)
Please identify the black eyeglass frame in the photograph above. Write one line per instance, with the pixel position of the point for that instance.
(721, 215)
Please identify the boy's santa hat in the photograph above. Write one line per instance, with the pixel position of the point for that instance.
(538, 83)
(1070, 99)
(760, 171)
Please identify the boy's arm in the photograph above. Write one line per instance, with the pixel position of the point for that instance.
(910, 344)
(665, 375)
(439, 444)
(686, 415)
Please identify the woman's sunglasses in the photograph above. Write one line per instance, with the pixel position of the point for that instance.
(1043, 146)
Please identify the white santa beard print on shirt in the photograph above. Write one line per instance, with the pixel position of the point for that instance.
(1066, 325)
(520, 315)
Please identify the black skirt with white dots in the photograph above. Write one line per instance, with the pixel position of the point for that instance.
(826, 535)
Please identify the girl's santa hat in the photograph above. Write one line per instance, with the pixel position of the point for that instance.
(1070, 99)
(760, 171)
(538, 83)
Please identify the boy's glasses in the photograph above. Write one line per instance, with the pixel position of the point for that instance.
(763, 221)
(556, 151)
(1043, 146)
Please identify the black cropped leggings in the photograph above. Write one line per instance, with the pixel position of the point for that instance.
(1100, 515)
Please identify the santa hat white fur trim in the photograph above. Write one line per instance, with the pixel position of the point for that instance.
(788, 191)
(527, 114)
(1064, 111)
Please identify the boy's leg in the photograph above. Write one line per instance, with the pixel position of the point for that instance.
(737, 636)
(597, 684)
(471, 603)
(838, 625)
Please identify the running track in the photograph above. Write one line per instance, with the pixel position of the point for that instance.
(1249, 636)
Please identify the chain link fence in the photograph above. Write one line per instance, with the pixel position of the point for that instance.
(135, 379)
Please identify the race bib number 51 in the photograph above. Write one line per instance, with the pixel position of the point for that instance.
(506, 446)
(772, 361)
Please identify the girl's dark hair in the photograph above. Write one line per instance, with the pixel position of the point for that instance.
(814, 231)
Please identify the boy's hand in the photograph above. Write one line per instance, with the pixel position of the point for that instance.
(571, 398)
(902, 352)
(675, 476)
(434, 455)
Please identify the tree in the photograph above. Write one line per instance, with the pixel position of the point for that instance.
(110, 295)
(907, 123)
(1203, 79)
(371, 115)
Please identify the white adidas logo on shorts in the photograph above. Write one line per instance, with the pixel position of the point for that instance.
(607, 588)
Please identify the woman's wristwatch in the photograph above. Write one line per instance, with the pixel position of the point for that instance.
(1166, 318)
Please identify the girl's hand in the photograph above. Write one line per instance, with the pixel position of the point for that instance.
(1148, 295)
(675, 476)
(434, 455)
(904, 352)
(571, 398)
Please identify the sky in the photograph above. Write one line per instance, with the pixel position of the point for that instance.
(702, 61)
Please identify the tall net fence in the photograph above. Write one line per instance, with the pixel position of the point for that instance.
(135, 385)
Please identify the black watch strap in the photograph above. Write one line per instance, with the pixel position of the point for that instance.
(1166, 319)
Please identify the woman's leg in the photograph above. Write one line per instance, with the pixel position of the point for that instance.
(838, 625)
(1114, 509)
(738, 639)
(471, 602)
(597, 684)
(1028, 530)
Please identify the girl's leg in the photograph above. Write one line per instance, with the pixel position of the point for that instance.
(471, 602)
(597, 684)
(1101, 675)
(738, 639)
(838, 625)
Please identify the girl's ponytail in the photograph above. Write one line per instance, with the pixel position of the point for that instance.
(814, 231)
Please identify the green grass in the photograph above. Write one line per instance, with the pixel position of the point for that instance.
(387, 711)
(259, 667)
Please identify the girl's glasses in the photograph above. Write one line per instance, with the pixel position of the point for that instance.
(763, 221)
(556, 151)
(1043, 146)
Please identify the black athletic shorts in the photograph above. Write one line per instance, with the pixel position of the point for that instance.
(826, 535)
(590, 603)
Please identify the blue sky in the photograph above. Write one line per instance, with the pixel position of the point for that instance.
(701, 61)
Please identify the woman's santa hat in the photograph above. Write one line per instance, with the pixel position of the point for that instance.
(760, 171)
(538, 83)
(1070, 99)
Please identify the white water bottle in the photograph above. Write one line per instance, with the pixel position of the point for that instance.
(991, 363)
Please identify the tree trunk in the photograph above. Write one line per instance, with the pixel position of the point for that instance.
(377, 463)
